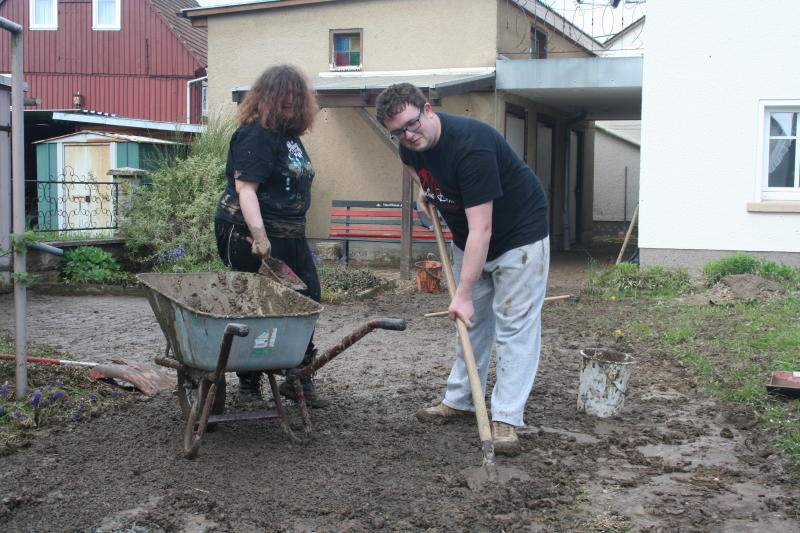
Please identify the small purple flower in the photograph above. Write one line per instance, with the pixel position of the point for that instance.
(74, 417)
(37, 395)
(4, 391)
(92, 396)
(57, 394)
(115, 393)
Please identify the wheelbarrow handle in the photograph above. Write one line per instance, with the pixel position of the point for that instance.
(396, 324)
(240, 330)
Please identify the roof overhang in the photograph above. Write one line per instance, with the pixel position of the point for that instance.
(112, 120)
(199, 15)
(594, 88)
(360, 89)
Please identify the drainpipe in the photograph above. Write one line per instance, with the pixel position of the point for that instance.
(18, 201)
(189, 98)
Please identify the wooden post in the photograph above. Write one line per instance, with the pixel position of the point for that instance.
(627, 235)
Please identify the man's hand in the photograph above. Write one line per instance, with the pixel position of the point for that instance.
(422, 203)
(261, 247)
(461, 307)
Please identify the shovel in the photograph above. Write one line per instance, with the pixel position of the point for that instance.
(489, 471)
(277, 270)
(144, 378)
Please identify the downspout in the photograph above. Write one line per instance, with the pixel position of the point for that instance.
(18, 202)
(565, 234)
(189, 98)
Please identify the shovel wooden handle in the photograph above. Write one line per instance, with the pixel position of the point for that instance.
(484, 430)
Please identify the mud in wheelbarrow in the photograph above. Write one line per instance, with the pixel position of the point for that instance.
(201, 314)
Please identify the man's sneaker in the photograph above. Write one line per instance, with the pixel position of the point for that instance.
(440, 412)
(309, 393)
(505, 439)
(250, 387)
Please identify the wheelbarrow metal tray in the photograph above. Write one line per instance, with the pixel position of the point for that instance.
(193, 309)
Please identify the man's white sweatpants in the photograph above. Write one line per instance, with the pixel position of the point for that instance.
(508, 302)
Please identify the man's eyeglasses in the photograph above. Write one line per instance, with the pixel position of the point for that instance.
(412, 126)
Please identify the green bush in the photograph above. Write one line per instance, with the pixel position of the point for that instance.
(90, 264)
(170, 224)
(738, 263)
(632, 277)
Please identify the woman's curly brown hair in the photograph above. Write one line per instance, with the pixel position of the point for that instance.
(264, 101)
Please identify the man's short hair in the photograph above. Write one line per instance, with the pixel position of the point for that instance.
(395, 98)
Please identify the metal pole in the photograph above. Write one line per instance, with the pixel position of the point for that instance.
(18, 201)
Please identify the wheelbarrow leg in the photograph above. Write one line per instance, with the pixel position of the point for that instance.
(282, 411)
(206, 393)
(301, 401)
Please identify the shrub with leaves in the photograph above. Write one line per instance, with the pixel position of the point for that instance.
(170, 224)
(90, 264)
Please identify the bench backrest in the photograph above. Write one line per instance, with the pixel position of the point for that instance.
(375, 221)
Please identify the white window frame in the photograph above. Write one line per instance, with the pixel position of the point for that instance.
(32, 11)
(96, 26)
(765, 192)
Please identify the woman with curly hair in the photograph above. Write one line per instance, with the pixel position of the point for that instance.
(262, 211)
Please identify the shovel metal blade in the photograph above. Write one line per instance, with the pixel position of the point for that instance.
(277, 270)
(144, 378)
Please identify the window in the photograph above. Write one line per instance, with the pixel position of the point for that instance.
(538, 43)
(106, 14)
(44, 14)
(346, 47)
(780, 170)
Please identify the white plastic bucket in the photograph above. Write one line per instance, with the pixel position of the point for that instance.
(604, 380)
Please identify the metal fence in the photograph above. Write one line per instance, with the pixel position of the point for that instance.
(89, 207)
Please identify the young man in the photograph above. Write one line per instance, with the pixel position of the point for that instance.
(496, 209)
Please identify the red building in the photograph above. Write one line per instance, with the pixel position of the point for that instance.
(135, 58)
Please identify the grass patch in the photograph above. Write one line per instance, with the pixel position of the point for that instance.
(733, 350)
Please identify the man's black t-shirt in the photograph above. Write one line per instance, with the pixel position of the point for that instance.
(280, 165)
(472, 164)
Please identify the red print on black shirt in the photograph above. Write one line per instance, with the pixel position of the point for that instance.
(431, 189)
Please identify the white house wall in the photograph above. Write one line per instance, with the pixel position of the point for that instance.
(705, 71)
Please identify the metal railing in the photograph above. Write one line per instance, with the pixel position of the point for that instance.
(90, 207)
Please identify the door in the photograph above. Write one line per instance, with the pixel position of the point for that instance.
(517, 130)
(544, 161)
(86, 193)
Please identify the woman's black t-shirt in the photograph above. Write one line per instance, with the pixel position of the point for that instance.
(280, 165)
(472, 164)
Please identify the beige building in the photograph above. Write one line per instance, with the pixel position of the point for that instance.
(509, 63)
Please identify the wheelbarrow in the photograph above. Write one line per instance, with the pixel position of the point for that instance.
(199, 312)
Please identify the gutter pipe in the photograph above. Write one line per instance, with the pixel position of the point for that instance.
(189, 98)
(18, 201)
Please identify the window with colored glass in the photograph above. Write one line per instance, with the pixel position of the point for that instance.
(44, 14)
(346, 50)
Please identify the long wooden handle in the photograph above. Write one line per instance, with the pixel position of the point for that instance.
(484, 430)
(627, 235)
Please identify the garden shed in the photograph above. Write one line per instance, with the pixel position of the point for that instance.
(74, 188)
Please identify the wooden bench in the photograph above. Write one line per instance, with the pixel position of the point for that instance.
(377, 221)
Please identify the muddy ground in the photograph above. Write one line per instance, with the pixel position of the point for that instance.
(673, 460)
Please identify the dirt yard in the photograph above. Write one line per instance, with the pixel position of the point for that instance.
(673, 460)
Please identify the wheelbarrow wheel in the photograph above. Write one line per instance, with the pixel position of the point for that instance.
(187, 391)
